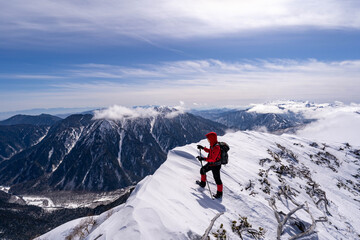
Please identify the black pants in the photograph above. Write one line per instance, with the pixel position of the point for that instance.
(215, 170)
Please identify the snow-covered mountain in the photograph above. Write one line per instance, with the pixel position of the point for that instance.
(273, 184)
(38, 120)
(16, 138)
(113, 149)
(336, 121)
(251, 118)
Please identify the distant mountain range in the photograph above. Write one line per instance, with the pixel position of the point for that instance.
(39, 120)
(251, 120)
(60, 112)
(44, 153)
(83, 154)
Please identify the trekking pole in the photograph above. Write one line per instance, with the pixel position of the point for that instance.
(207, 183)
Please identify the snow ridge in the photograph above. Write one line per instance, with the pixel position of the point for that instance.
(263, 168)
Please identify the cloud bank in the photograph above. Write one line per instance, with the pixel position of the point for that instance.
(337, 127)
(145, 19)
(117, 112)
(336, 122)
(204, 82)
(339, 123)
(120, 112)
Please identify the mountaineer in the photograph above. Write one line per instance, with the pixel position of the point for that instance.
(213, 163)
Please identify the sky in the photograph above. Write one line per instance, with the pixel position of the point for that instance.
(78, 54)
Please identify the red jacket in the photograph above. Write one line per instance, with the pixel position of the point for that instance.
(214, 150)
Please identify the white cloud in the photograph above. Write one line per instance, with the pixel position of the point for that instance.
(31, 76)
(180, 109)
(117, 112)
(190, 68)
(265, 108)
(339, 123)
(120, 112)
(147, 19)
(207, 82)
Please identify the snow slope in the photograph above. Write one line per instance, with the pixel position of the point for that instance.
(168, 205)
(336, 122)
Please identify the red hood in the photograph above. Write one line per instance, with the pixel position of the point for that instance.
(212, 138)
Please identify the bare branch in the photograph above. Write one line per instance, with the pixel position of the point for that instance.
(310, 229)
(286, 190)
(282, 223)
(287, 216)
(204, 237)
(272, 205)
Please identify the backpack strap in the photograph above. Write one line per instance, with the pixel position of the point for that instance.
(218, 158)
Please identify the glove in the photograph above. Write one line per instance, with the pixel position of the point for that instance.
(200, 147)
(200, 158)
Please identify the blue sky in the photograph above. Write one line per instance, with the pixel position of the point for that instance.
(205, 53)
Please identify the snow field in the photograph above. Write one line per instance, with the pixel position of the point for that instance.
(168, 204)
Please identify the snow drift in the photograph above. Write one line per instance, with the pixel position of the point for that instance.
(263, 168)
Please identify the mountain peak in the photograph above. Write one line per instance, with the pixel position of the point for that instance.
(38, 120)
